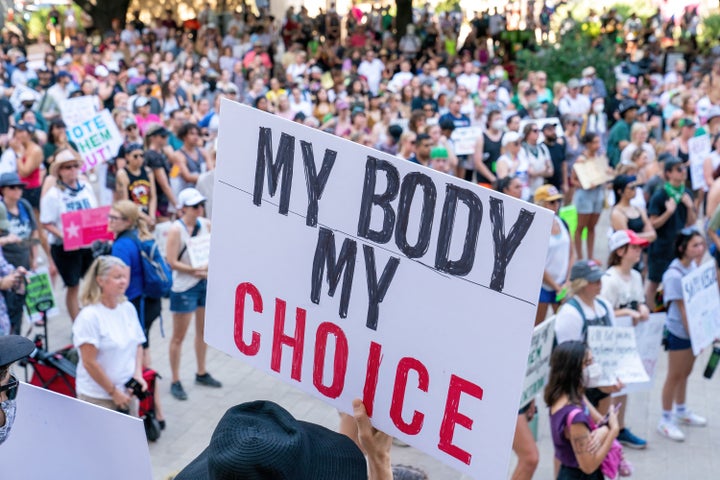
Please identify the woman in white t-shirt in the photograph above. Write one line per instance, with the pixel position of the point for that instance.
(70, 193)
(108, 335)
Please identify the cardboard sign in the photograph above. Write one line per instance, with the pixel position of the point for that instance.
(113, 445)
(648, 336)
(593, 172)
(97, 139)
(702, 305)
(82, 227)
(36, 55)
(615, 350)
(464, 140)
(76, 110)
(17, 92)
(538, 364)
(350, 273)
(199, 250)
(699, 149)
(39, 290)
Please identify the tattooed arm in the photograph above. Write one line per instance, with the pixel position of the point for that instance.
(589, 456)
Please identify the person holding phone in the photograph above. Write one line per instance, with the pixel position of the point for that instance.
(108, 336)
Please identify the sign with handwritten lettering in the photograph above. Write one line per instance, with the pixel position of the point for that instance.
(538, 366)
(702, 304)
(615, 350)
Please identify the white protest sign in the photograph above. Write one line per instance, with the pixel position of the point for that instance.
(97, 138)
(698, 148)
(464, 140)
(648, 336)
(161, 233)
(615, 350)
(112, 445)
(538, 364)
(18, 90)
(199, 250)
(702, 305)
(76, 110)
(388, 281)
(36, 55)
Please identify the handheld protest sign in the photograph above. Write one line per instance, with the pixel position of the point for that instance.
(39, 297)
(702, 304)
(698, 150)
(615, 350)
(538, 363)
(350, 273)
(199, 250)
(648, 337)
(97, 138)
(82, 227)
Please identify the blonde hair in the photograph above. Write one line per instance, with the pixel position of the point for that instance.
(577, 285)
(90, 291)
(131, 212)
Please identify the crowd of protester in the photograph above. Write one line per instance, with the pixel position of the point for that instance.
(408, 95)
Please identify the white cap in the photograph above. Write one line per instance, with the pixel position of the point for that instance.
(510, 137)
(26, 96)
(190, 197)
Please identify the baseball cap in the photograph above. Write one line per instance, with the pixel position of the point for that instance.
(439, 152)
(546, 193)
(129, 121)
(671, 161)
(573, 83)
(27, 96)
(626, 105)
(510, 137)
(621, 238)
(156, 129)
(686, 122)
(620, 182)
(190, 197)
(141, 102)
(551, 125)
(587, 270)
(25, 127)
(13, 348)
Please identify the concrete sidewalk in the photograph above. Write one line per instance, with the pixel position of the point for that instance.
(191, 423)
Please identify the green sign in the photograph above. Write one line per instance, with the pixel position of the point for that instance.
(39, 292)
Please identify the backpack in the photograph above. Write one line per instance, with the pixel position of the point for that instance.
(157, 276)
(594, 322)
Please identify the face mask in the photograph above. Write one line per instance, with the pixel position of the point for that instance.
(538, 113)
(497, 124)
(8, 408)
(599, 108)
(591, 375)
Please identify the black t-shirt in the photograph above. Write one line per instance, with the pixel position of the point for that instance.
(664, 245)
(557, 155)
(155, 160)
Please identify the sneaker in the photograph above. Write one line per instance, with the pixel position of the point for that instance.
(690, 419)
(177, 391)
(670, 430)
(625, 469)
(628, 439)
(207, 380)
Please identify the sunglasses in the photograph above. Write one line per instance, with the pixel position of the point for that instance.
(131, 127)
(11, 388)
(534, 130)
(69, 167)
(201, 204)
(14, 187)
(137, 155)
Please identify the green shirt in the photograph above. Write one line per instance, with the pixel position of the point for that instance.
(618, 133)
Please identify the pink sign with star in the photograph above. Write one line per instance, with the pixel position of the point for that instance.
(82, 227)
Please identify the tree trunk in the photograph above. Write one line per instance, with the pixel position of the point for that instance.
(104, 12)
(404, 16)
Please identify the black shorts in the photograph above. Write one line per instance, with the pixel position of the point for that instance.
(595, 395)
(153, 308)
(32, 195)
(656, 267)
(72, 265)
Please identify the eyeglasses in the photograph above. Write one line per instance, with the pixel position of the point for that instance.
(11, 388)
(115, 218)
(69, 167)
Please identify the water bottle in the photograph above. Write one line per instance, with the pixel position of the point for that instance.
(713, 363)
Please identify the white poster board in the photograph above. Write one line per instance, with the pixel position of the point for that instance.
(78, 109)
(199, 250)
(464, 140)
(702, 304)
(699, 149)
(78, 440)
(648, 337)
(97, 138)
(615, 350)
(395, 298)
(538, 364)
(160, 232)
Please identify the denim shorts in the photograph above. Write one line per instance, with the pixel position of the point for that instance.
(673, 342)
(548, 296)
(589, 201)
(189, 300)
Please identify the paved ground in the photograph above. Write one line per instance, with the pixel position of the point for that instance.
(191, 423)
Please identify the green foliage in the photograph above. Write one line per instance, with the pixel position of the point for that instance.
(37, 23)
(448, 6)
(565, 60)
(710, 29)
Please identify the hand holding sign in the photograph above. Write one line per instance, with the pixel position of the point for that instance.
(82, 227)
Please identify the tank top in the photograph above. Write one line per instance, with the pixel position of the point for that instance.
(184, 281)
(491, 152)
(139, 189)
(194, 166)
(32, 180)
